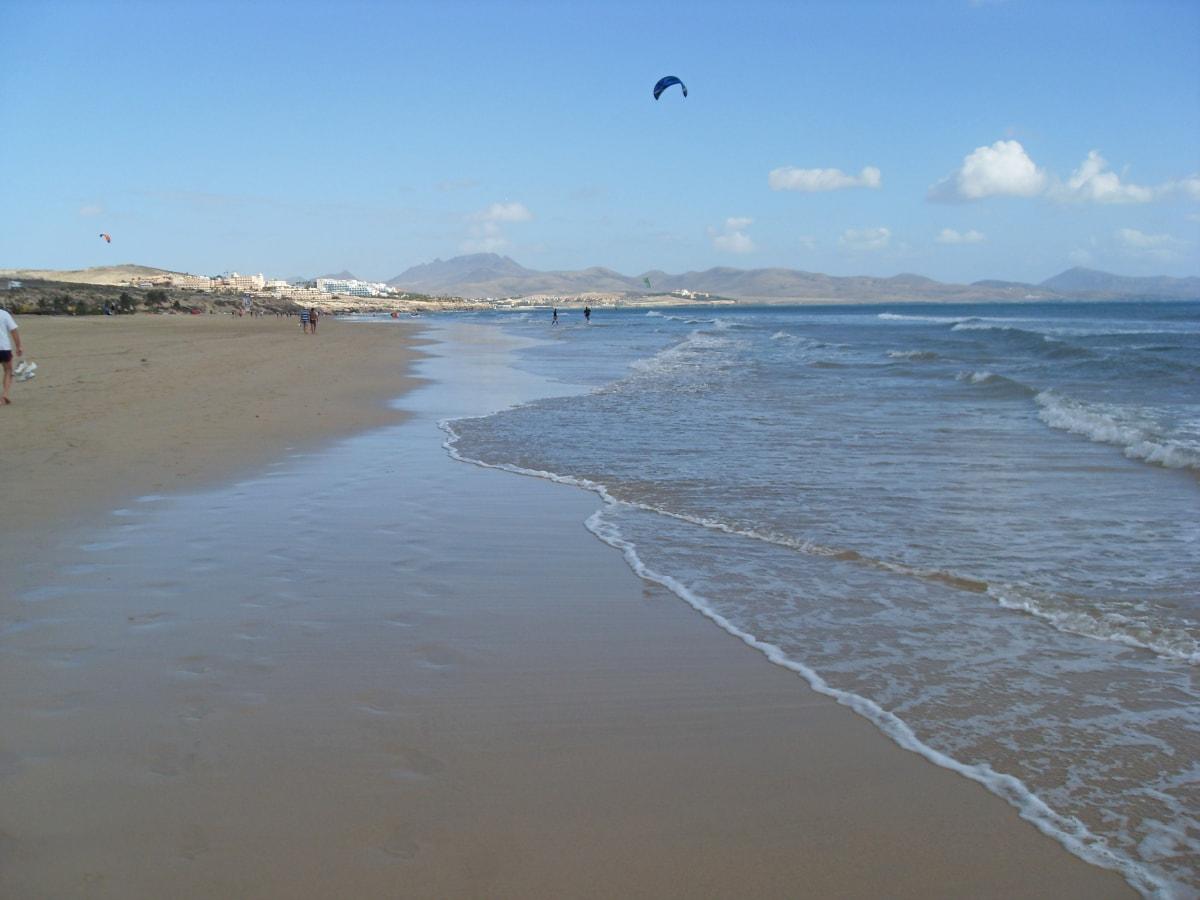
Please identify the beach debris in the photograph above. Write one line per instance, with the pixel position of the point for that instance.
(107, 237)
(666, 82)
(25, 370)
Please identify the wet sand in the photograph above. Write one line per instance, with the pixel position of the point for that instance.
(371, 671)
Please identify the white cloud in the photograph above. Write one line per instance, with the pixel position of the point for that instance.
(865, 238)
(950, 236)
(789, 178)
(91, 209)
(1080, 257)
(487, 239)
(1094, 181)
(1154, 246)
(733, 239)
(808, 242)
(503, 212)
(1003, 169)
(484, 234)
(1189, 187)
(735, 242)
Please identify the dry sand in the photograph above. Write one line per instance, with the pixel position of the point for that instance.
(465, 695)
(131, 405)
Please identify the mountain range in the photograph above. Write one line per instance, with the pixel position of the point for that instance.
(492, 275)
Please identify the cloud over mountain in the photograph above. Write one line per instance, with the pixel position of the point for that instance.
(484, 232)
(733, 239)
(866, 238)
(950, 236)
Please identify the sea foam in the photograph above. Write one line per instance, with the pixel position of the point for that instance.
(1134, 431)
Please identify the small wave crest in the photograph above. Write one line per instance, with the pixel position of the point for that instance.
(1127, 628)
(928, 320)
(998, 384)
(695, 359)
(687, 320)
(1134, 431)
(920, 355)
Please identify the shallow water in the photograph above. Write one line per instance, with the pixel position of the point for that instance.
(977, 526)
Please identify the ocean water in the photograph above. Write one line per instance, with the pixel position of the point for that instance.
(977, 526)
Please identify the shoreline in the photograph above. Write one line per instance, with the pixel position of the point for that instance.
(1028, 805)
(491, 718)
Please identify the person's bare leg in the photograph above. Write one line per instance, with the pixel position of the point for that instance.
(4, 401)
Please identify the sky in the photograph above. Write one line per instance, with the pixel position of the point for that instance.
(958, 139)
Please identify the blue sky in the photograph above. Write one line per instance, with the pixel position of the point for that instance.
(960, 140)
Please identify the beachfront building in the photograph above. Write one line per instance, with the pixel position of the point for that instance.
(234, 281)
(304, 294)
(351, 286)
(192, 282)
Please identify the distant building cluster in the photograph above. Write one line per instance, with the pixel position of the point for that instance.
(352, 287)
(233, 282)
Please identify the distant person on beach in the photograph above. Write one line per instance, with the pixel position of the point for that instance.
(587, 314)
(10, 338)
(554, 321)
(304, 320)
(313, 315)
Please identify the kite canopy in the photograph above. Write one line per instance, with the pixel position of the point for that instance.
(664, 83)
(107, 239)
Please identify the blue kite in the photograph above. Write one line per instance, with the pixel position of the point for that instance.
(664, 83)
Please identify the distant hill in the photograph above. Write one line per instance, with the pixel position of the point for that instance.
(95, 275)
(491, 275)
(343, 275)
(1093, 283)
(470, 269)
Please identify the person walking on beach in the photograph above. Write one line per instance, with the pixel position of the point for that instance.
(10, 339)
(554, 321)
(312, 320)
(304, 320)
(587, 314)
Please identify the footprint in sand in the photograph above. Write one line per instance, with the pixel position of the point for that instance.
(399, 843)
(193, 842)
(168, 761)
(409, 762)
(438, 656)
(147, 621)
(196, 711)
(382, 704)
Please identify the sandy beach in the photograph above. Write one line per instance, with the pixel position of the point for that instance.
(320, 658)
(131, 405)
